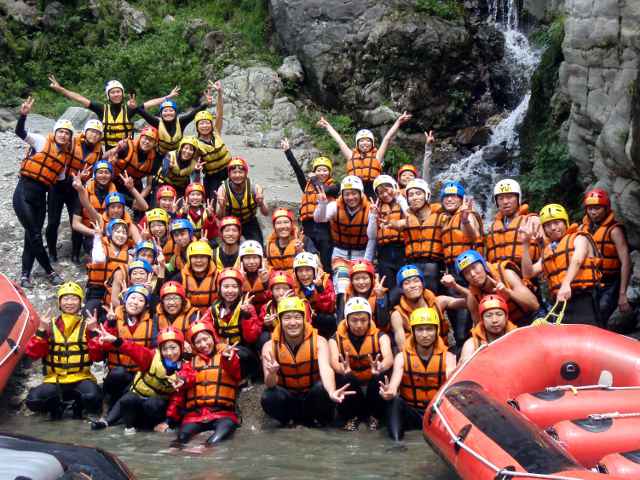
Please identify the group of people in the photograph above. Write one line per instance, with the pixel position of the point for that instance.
(354, 310)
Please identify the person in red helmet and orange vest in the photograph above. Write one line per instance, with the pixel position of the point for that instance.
(175, 308)
(225, 255)
(198, 276)
(406, 173)
(409, 172)
(610, 238)
(255, 271)
(200, 211)
(238, 197)
(494, 323)
(571, 264)
(167, 199)
(365, 160)
(286, 241)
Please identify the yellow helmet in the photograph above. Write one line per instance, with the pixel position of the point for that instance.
(70, 288)
(158, 215)
(321, 162)
(189, 140)
(291, 304)
(199, 247)
(552, 212)
(424, 316)
(203, 115)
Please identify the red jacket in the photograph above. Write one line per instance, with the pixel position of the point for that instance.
(210, 225)
(38, 346)
(321, 302)
(250, 324)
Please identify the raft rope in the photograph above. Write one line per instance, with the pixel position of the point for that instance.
(606, 416)
(558, 315)
(18, 341)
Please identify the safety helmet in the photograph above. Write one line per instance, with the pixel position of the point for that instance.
(489, 302)
(63, 123)
(194, 187)
(145, 244)
(170, 334)
(419, 184)
(384, 180)
(362, 266)
(149, 131)
(278, 277)
(198, 327)
(250, 247)
(110, 85)
(102, 164)
(281, 212)
(407, 272)
(452, 188)
(424, 316)
(136, 289)
(189, 140)
(199, 247)
(305, 259)
(321, 162)
(233, 273)
(157, 215)
(291, 304)
(140, 263)
(166, 191)
(552, 212)
(351, 182)
(238, 162)
(70, 288)
(364, 133)
(357, 305)
(407, 167)
(203, 115)
(507, 186)
(168, 104)
(114, 197)
(93, 124)
(173, 287)
(597, 197)
(181, 224)
(468, 258)
(226, 221)
(112, 224)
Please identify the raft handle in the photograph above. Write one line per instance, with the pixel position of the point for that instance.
(502, 475)
(607, 416)
(513, 403)
(462, 436)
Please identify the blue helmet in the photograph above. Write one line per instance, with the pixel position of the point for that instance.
(468, 258)
(169, 103)
(112, 223)
(136, 289)
(181, 224)
(406, 272)
(140, 263)
(102, 164)
(452, 188)
(114, 197)
(142, 244)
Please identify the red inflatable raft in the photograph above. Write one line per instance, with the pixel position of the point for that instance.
(488, 421)
(18, 323)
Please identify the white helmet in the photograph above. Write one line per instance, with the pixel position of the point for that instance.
(111, 84)
(364, 133)
(420, 184)
(357, 305)
(63, 123)
(305, 259)
(351, 182)
(250, 247)
(507, 186)
(384, 180)
(93, 124)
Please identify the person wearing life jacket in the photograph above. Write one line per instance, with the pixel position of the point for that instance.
(286, 241)
(365, 160)
(208, 398)
(409, 172)
(145, 404)
(280, 285)
(462, 229)
(611, 240)
(156, 228)
(146, 250)
(175, 308)
(315, 286)
(44, 164)
(178, 165)
(86, 150)
(406, 173)
(360, 355)
(415, 295)
(182, 232)
(300, 382)
(238, 197)
(418, 372)
(138, 272)
(225, 255)
(198, 276)
(494, 323)
(200, 212)
(494, 278)
(570, 262)
(318, 179)
(256, 274)
(62, 344)
(166, 199)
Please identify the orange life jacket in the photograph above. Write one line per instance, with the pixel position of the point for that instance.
(372, 299)
(421, 380)
(201, 293)
(388, 211)
(502, 240)
(45, 166)
(367, 167)
(168, 246)
(423, 240)
(350, 232)
(405, 309)
(178, 258)
(359, 360)
(131, 163)
(257, 289)
(602, 236)
(555, 263)
(94, 200)
(98, 274)
(479, 333)
(309, 200)
(299, 371)
(214, 388)
(182, 321)
(278, 258)
(143, 334)
(78, 159)
(455, 241)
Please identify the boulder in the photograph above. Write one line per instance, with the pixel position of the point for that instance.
(291, 70)
(495, 154)
(8, 119)
(283, 112)
(168, 19)
(53, 14)
(133, 20)
(78, 116)
(21, 12)
(473, 136)
(213, 41)
(382, 115)
(37, 123)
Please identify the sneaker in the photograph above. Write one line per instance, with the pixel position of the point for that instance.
(55, 279)
(373, 424)
(130, 430)
(352, 425)
(25, 282)
(99, 424)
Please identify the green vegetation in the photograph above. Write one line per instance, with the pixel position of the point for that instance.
(550, 34)
(84, 52)
(447, 9)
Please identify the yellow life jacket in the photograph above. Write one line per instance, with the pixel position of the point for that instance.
(68, 358)
(217, 258)
(116, 129)
(155, 381)
(167, 142)
(246, 210)
(227, 330)
(216, 155)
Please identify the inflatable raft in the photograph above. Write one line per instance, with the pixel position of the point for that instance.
(550, 402)
(18, 323)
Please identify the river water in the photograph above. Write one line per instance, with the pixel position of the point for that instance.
(253, 452)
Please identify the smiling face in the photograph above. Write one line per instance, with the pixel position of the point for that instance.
(283, 227)
(135, 304)
(204, 127)
(170, 350)
(251, 263)
(119, 235)
(365, 145)
(351, 198)
(187, 151)
(115, 95)
(195, 198)
(416, 198)
(147, 143)
(358, 323)
(138, 276)
(165, 203)
(230, 234)
(425, 335)
(115, 210)
(322, 173)
(181, 237)
(385, 193)
(406, 177)
(103, 176)
(70, 304)
(172, 303)
(292, 324)
(237, 175)
(555, 229)
(305, 275)
(203, 343)
(168, 114)
(158, 229)
(361, 283)
(475, 274)
(199, 263)
(230, 290)
(279, 290)
(507, 204)
(451, 203)
(412, 288)
(495, 321)
(92, 136)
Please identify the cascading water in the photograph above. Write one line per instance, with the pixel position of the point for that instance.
(520, 59)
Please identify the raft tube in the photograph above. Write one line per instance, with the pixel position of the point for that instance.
(18, 322)
(622, 464)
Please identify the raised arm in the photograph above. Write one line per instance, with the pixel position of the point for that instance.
(76, 97)
(388, 138)
(291, 158)
(344, 148)
(217, 86)
(154, 102)
(428, 152)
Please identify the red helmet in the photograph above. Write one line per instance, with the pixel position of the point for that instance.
(170, 333)
(165, 191)
(281, 212)
(172, 287)
(489, 302)
(280, 276)
(195, 187)
(200, 326)
(149, 131)
(362, 266)
(597, 197)
(226, 221)
(230, 273)
(238, 162)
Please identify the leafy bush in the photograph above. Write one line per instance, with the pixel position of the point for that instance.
(447, 9)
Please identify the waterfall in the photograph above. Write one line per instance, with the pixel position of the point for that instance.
(520, 59)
